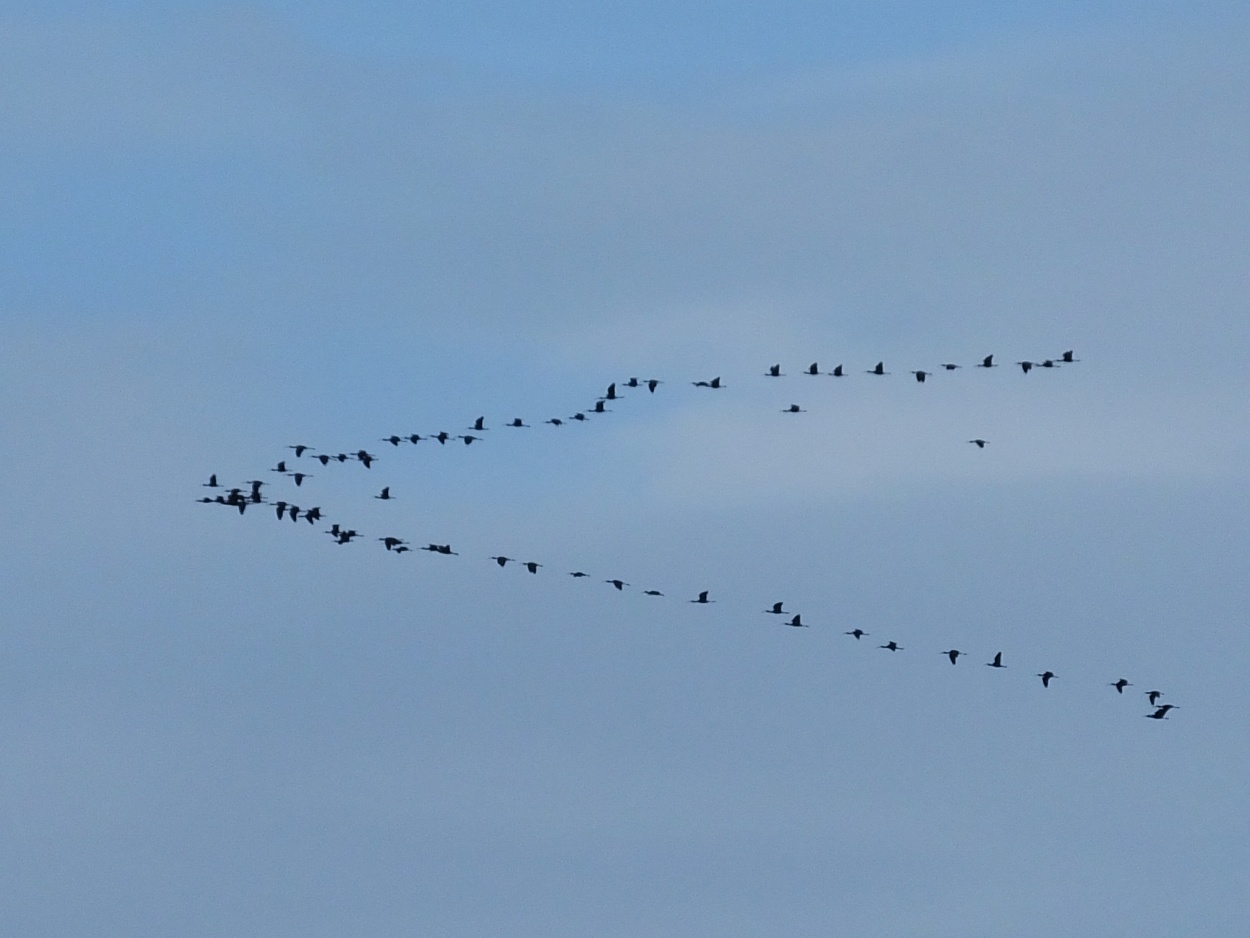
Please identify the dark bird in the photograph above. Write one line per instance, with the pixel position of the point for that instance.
(385, 494)
(1025, 366)
(299, 477)
(890, 645)
(469, 439)
(879, 369)
(1067, 358)
(211, 483)
(619, 584)
(280, 509)
(345, 537)
(776, 610)
(342, 457)
(300, 449)
(555, 422)
(837, 372)
(293, 511)
(1046, 677)
(442, 436)
(502, 560)
(921, 375)
(987, 362)
(1162, 712)
(414, 438)
(578, 416)
(953, 654)
(950, 367)
(997, 662)
(652, 384)
(980, 443)
(813, 369)
(857, 633)
(774, 371)
(392, 542)
(599, 408)
(797, 622)
(394, 439)
(578, 573)
(440, 549)
(313, 515)
(652, 593)
(255, 484)
(611, 395)
(324, 459)
(702, 599)
(1048, 363)
(280, 467)
(479, 424)
(794, 409)
(402, 549)
(517, 422)
(366, 458)
(531, 566)
(1154, 696)
(714, 384)
(1120, 685)
(631, 383)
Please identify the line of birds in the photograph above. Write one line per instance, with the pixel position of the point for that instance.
(242, 498)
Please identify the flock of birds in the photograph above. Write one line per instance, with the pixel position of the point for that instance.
(249, 494)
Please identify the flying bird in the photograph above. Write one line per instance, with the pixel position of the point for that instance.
(365, 457)
(714, 384)
(502, 560)
(385, 494)
(878, 369)
(987, 362)
(797, 622)
(856, 633)
(300, 449)
(392, 542)
(599, 408)
(211, 483)
(1067, 358)
(953, 654)
(921, 375)
(652, 593)
(1120, 685)
(1025, 366)
(394, 439)
(776, 610)
(652, 384)
(442, 436)
(299, 477)
(479, 424)
(470, 439)
(619, 584)
(531, 566)
(578, 573)
(611, 395)
(837, 372)
(950, 366)
(794, 409)
(1046, 677)
(997, 662)
(555, 422)
(1162, 712)
(1154, 696)
(813, 369)
(578, 416)
(703, 600)
(517, 422)
(889, 646)
(980, 443)
(774, 371)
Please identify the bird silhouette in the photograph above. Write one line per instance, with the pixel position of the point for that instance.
(392, 542)
(394, 439)
(857, 634)
(324, 458)
(299, 477)
(280, 509)
(950, 367)
(813, 369)
(997, 662)
(987, 362)
(921, 375)
(776, 610)
(1046, 677)
(1025, 366)
(531, 566)
(837, 372)
(774, 371)
(442, 436)
(652, 384)
(1120, 685)
(619, 584)
(953, 654)
(611, 394)
(479, 424)
(1067, 358)
(599, 408)
(797, 622)
(470, 439)
(211, 483)
(889, 646)
(1162, 712)
(440, 549)
(365, 457)
(502, 560)
(714, 384)
(578, 574)
(414, 438)
(652, 593)
(517, 422)
(280, 467)
(1154, 696)
(578, 416)
(980, 443)
(702, 599)
(878, 369)
(1047, 363)
(794, 409)
(300, 449)
(385, 494)
(555, 422)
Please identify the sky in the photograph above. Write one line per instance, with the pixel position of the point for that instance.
(226, 229)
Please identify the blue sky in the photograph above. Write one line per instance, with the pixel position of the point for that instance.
(231, 228)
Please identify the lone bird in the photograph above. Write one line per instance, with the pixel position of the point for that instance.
(385, 494)
(1153, 696)
(980, 443)
(714, 384)
(1046, 676)
(211, 483)
(889, 646)
(878, 369)
(776, 610)
(953, 654)
(1162, 712)
(856, 633)
(1120, 685)
(997, 662)
(794, 409)
(703, 600)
